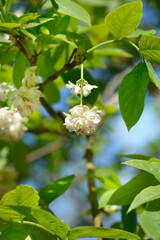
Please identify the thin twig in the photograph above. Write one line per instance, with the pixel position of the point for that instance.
(68, 66)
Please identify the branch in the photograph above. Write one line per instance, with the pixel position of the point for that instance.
(68, 66)
(97, 222)
(23, 47)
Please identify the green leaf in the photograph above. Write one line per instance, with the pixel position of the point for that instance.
(20, 65)
(61, 25)
(151, 167)
(51, 93)
(126, 193)
(93, 2)
(27, 17)
(26, 33)
(9, 25)
(124, 20)
(40, 22)
(55, 189)
(22, 195)
(150, 47)
(95, 232)
(152, 75)
(136, 156)
(6, 74)
(150, 220)
(105, 52)
(129, 220)
(47, 220)
(140, 31)
(148, 194)
(105, 198)
(54, 58)
(7, 54)
(7, 7)
(13, 233)
(72, 9)
(132, 92)
(16, 231)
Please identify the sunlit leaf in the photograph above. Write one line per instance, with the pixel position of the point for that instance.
(72, 9)
(140, 31)
(47, 220)
(151, 167)
(118, 52)
(22, 195)
(148, 194)
(150, 220)
(152, 75)
(150, 47)
(105, 198)
(125, 19)
(95, 232)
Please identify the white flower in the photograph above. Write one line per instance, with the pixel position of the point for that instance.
(87, 89)
(83, 120)
(26, 100)
(4, 89)
(11, 125)
(75, 89)
(30, 78)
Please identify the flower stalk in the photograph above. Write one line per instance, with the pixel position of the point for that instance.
(81, 95)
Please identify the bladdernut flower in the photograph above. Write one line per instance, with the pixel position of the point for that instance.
(4, 89)
(83, 120)
(26, 100)
(30, 78)
(11, 125)
(76, 89)
(87, 89)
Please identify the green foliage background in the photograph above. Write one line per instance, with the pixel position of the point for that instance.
(47, 34)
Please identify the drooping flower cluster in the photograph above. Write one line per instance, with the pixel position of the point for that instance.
(30, 78)
(83, 120)
(76, 88)
(11, 125)
(26, 100)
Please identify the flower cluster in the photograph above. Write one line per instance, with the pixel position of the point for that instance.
(76, 88)
(83, 120)
(26, 100)
(4, 89)
(30, 78)
(11, 125)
